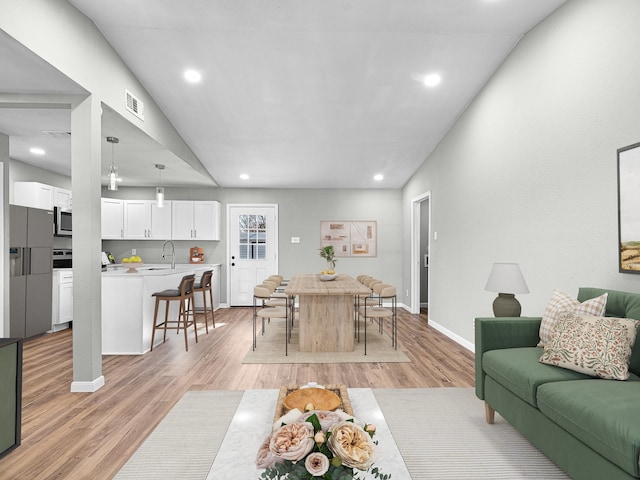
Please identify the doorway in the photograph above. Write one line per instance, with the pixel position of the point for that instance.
(420, 251)
(252, 249)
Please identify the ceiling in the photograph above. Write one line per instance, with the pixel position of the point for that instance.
(294, 93)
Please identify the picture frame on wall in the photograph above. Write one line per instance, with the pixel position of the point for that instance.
(629, 209)
(350, 238)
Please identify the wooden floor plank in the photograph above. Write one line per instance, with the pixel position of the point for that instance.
(90, 436)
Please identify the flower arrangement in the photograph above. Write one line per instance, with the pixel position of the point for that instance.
(318, 444)
(329, 254)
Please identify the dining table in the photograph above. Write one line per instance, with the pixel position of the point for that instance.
(326, 311)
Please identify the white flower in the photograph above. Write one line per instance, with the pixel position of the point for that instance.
(352, 444)
(317, 464)
(293, 441)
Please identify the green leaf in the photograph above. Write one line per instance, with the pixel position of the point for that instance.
(313, 420)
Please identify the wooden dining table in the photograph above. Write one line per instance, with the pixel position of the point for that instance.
(326, 311)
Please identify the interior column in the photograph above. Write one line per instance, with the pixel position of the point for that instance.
(86, 142)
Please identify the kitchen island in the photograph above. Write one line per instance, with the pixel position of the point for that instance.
(128, 304)
(326, 311)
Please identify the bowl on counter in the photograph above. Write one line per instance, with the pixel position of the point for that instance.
(133, 267)
(326, 277)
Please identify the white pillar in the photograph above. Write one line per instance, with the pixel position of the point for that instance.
(86, 142)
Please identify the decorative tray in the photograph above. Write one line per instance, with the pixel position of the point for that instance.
(339, 390)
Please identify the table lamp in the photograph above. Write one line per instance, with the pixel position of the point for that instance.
(507, 280)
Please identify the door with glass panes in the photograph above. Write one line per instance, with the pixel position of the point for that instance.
(253, 249)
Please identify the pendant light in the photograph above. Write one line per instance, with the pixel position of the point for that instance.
(160, 188)
(112, 176)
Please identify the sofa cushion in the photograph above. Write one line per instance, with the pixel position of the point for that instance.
(601, 413)
(621, 305)
(520, 372)
(596, 346)
(561, 302)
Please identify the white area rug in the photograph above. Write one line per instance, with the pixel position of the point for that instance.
(185, 443)
(271, 348)
(440, 432)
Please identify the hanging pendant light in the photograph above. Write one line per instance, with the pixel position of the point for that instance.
(160, 189)
(112, 176)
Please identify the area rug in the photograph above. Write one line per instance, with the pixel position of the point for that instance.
(185, 442)
(440, 432)
(270, 348)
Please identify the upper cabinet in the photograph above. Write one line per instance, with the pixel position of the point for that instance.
(40, 195)
(143, 220)
(33, 194)
(112, 219)
(195, 220)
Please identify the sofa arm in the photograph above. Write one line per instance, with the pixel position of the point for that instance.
(502, 332)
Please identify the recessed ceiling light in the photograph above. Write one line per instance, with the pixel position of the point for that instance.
(244, 176)
(192, 76)
(37, 151)
(432, 80)
(378, 177)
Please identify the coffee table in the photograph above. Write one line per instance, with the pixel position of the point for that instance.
(252, 423)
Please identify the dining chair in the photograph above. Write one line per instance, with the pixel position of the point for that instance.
(369, 312)
(262, 295)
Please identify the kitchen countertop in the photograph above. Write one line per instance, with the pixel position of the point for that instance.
(155, 270)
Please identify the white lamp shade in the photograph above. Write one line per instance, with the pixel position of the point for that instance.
(160, 197)
(506, 278)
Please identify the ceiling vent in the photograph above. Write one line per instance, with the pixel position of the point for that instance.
(57, 134)
(134, 104)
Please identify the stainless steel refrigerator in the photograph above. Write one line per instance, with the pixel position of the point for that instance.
(30, 263)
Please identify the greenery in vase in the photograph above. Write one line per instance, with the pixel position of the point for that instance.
(329, 255)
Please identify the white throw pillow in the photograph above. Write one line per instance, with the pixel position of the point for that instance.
(561, 302)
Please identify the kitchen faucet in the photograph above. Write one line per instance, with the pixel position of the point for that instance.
(173, 253)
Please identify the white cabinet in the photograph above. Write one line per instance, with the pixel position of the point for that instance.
(143, 220)
(193, 220)
(62, 296)
(61, 198)
(33, 194)
(112, 219)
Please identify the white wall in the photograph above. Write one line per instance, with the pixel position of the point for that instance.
(528, 173)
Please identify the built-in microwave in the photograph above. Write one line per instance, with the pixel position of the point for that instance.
(62, 222)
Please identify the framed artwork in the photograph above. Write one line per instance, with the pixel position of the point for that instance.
(350, 238)
(629, 209)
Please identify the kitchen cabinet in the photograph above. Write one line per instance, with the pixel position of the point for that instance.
(62, 309)
(33, 194)
(143, 220)
(112, 219)
(10, 394)
(195, 220)
(61, 198)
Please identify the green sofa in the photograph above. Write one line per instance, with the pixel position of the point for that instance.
(589, 427)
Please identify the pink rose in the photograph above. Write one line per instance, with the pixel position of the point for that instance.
(293, 441)
(264, 458)
(317, 464)
(326, 418)
(352, 444)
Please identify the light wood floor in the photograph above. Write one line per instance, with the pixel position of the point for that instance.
(91, 435)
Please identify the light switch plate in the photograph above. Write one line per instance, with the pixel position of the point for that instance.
(295, 239)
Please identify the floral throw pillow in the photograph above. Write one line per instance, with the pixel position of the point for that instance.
(596, 346)
(561, 302)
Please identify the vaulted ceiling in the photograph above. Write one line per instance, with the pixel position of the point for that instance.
(298, 93)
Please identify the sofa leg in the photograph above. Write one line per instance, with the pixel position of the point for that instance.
(489, 413)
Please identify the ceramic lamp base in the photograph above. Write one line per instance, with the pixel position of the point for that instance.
(506, 305)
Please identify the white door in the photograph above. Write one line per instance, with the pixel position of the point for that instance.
(252, 250)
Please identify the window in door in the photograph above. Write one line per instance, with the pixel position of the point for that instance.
(252, 237)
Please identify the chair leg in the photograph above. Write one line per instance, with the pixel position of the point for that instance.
(204, 305)
(213, 317)
(166, 319)
(191, 307)
(182, 315)
(155, 319)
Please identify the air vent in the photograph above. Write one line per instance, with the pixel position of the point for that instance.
(57, 134)
(134, 104)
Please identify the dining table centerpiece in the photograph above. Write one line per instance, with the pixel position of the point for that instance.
(330, 445)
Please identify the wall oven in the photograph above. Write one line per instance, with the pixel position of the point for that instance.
(62, 222)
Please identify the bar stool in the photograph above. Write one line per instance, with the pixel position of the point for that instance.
(205, 286)
(184, 295)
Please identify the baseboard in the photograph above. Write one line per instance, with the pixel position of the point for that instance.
(453, 336)
(87, 387)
